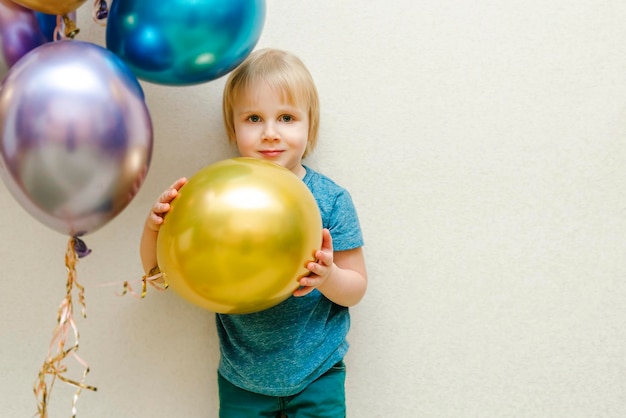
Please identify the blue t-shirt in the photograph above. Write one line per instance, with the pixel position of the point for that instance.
(281, 350)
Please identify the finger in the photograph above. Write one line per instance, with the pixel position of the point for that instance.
(307, 282)
(168, 195)
(160, 208)
(156, 219)
(179, 183)
(327, 240)
(312, 267)
(324, 258)
(303, 291)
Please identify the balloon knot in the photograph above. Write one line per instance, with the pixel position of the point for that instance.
(81, 248)
(102, 11)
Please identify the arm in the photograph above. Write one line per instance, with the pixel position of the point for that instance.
(340, 276)
(147, 246)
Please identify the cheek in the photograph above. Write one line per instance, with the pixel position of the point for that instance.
(244, 132)
(245, 148)
(303, 136)
(295, 131)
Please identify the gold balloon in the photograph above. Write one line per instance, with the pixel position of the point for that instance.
(53, 7)
(239, 235)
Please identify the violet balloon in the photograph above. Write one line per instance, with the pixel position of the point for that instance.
(75, 135)
(19, 33)
(182, 42)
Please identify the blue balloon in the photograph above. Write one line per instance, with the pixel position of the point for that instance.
(47, 23)
(182, 42)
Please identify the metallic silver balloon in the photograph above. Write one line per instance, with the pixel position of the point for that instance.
(20, 33)
(75, 135)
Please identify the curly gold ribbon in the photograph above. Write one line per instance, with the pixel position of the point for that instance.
(65, 28)
(71, 30)
(58, 352)
(154, 278)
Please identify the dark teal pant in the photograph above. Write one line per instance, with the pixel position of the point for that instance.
(324, 398)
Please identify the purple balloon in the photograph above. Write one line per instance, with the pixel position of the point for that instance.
(75, 135)
(19, 33)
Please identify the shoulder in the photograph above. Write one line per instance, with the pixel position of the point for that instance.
(329, 195)
(337, 210)
(313, 177)
(319, 183)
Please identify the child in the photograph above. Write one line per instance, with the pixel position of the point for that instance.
(286, 361)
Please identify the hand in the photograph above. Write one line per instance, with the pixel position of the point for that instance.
(321, 269)
(162, 205)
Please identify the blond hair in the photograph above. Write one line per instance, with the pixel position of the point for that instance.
(284, 72)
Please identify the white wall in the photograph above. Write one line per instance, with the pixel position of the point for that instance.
(484, 145)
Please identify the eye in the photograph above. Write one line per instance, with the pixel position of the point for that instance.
(286, 118)
(254, 118)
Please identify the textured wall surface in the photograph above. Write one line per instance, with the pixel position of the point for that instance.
(484, 145)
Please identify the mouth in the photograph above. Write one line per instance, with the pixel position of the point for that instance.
(271, 153)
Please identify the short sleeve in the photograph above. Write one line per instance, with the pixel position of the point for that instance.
(337, 210)
(344, 225)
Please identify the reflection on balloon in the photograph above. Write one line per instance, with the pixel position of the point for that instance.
(75, 135)
(178, 42)
(52, 7)
(239, 235)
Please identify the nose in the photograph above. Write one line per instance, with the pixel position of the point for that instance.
(270, 133)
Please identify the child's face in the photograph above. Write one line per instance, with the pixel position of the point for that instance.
(268, 127)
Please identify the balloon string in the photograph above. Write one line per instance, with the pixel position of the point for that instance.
(53, 366)
(57, 34)
(154, 278)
